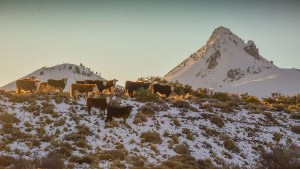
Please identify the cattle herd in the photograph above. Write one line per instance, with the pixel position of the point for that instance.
(91, 87)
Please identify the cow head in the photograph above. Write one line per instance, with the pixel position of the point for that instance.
(65, 80)
(172, 88)
(104, 82)
(129, 108)
(36, 83)
(95, 89)
(151, 87)
(108, 100)
(115, 82)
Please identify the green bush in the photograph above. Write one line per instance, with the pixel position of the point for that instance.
(145, 95)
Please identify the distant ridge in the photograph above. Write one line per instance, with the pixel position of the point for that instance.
(71, 71)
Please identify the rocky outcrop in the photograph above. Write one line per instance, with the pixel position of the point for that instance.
(212, 60)
(252, 50)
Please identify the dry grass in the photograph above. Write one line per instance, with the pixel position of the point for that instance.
(280, 157)
(217, 120)
(229, 144)
(151, 137)
(147, 110)
(181, 149)
(112, 155)
(295, 129)
(8, 118)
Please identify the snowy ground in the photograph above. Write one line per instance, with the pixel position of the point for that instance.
(247, 130)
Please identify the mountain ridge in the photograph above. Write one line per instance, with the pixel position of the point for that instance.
(66, 70)
(226, 61)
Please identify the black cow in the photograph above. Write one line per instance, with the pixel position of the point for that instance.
(118, 112)
(80, 82)
(163, 89)
(100, 103)
(110, 84)
(130, 87)
(26, 84)
(58, 84)
(100, 84)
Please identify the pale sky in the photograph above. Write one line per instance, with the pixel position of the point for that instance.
(131, 39)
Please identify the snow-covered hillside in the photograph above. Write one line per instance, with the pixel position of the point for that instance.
(228, 64)
(58, 72)
(155, 131)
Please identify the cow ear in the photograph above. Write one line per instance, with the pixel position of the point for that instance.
(108, 100)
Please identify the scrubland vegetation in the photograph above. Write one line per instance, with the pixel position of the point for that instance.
(190, 129)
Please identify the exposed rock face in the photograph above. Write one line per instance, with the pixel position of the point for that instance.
(212, 60)
(235, 74)
(252, 50)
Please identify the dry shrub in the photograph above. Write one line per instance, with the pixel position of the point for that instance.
(74, 137)
(217, 120)
(147, 110)
(151, 137)
(139, 118)
(225, 107)
(60, 122)
(181, 149)
(295, 129)
(22, 98)
(280, 157)
(52, 161)
(8, 118)
(65, 149)
(181, 104)
(295, 115)
(113, 155)
(230, 145)
(32, 108)
(83, 144)
(211, 132)
(6, 161)
(221, 96)
(136, 161)
(145, 95)
(188, 133)
(88, 159)
(83, 130)
(180, 162)
(176, 122)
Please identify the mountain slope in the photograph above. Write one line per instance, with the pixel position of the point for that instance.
(228, 64)
(70, 71)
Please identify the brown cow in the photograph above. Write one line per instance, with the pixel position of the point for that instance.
(26, 84)
(130, 87)
(100, 103)
(163, 89)
(58, 84)
(118, 112)
(82, 88)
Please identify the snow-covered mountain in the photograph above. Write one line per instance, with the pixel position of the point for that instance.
(58, 72)
(228, 64)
